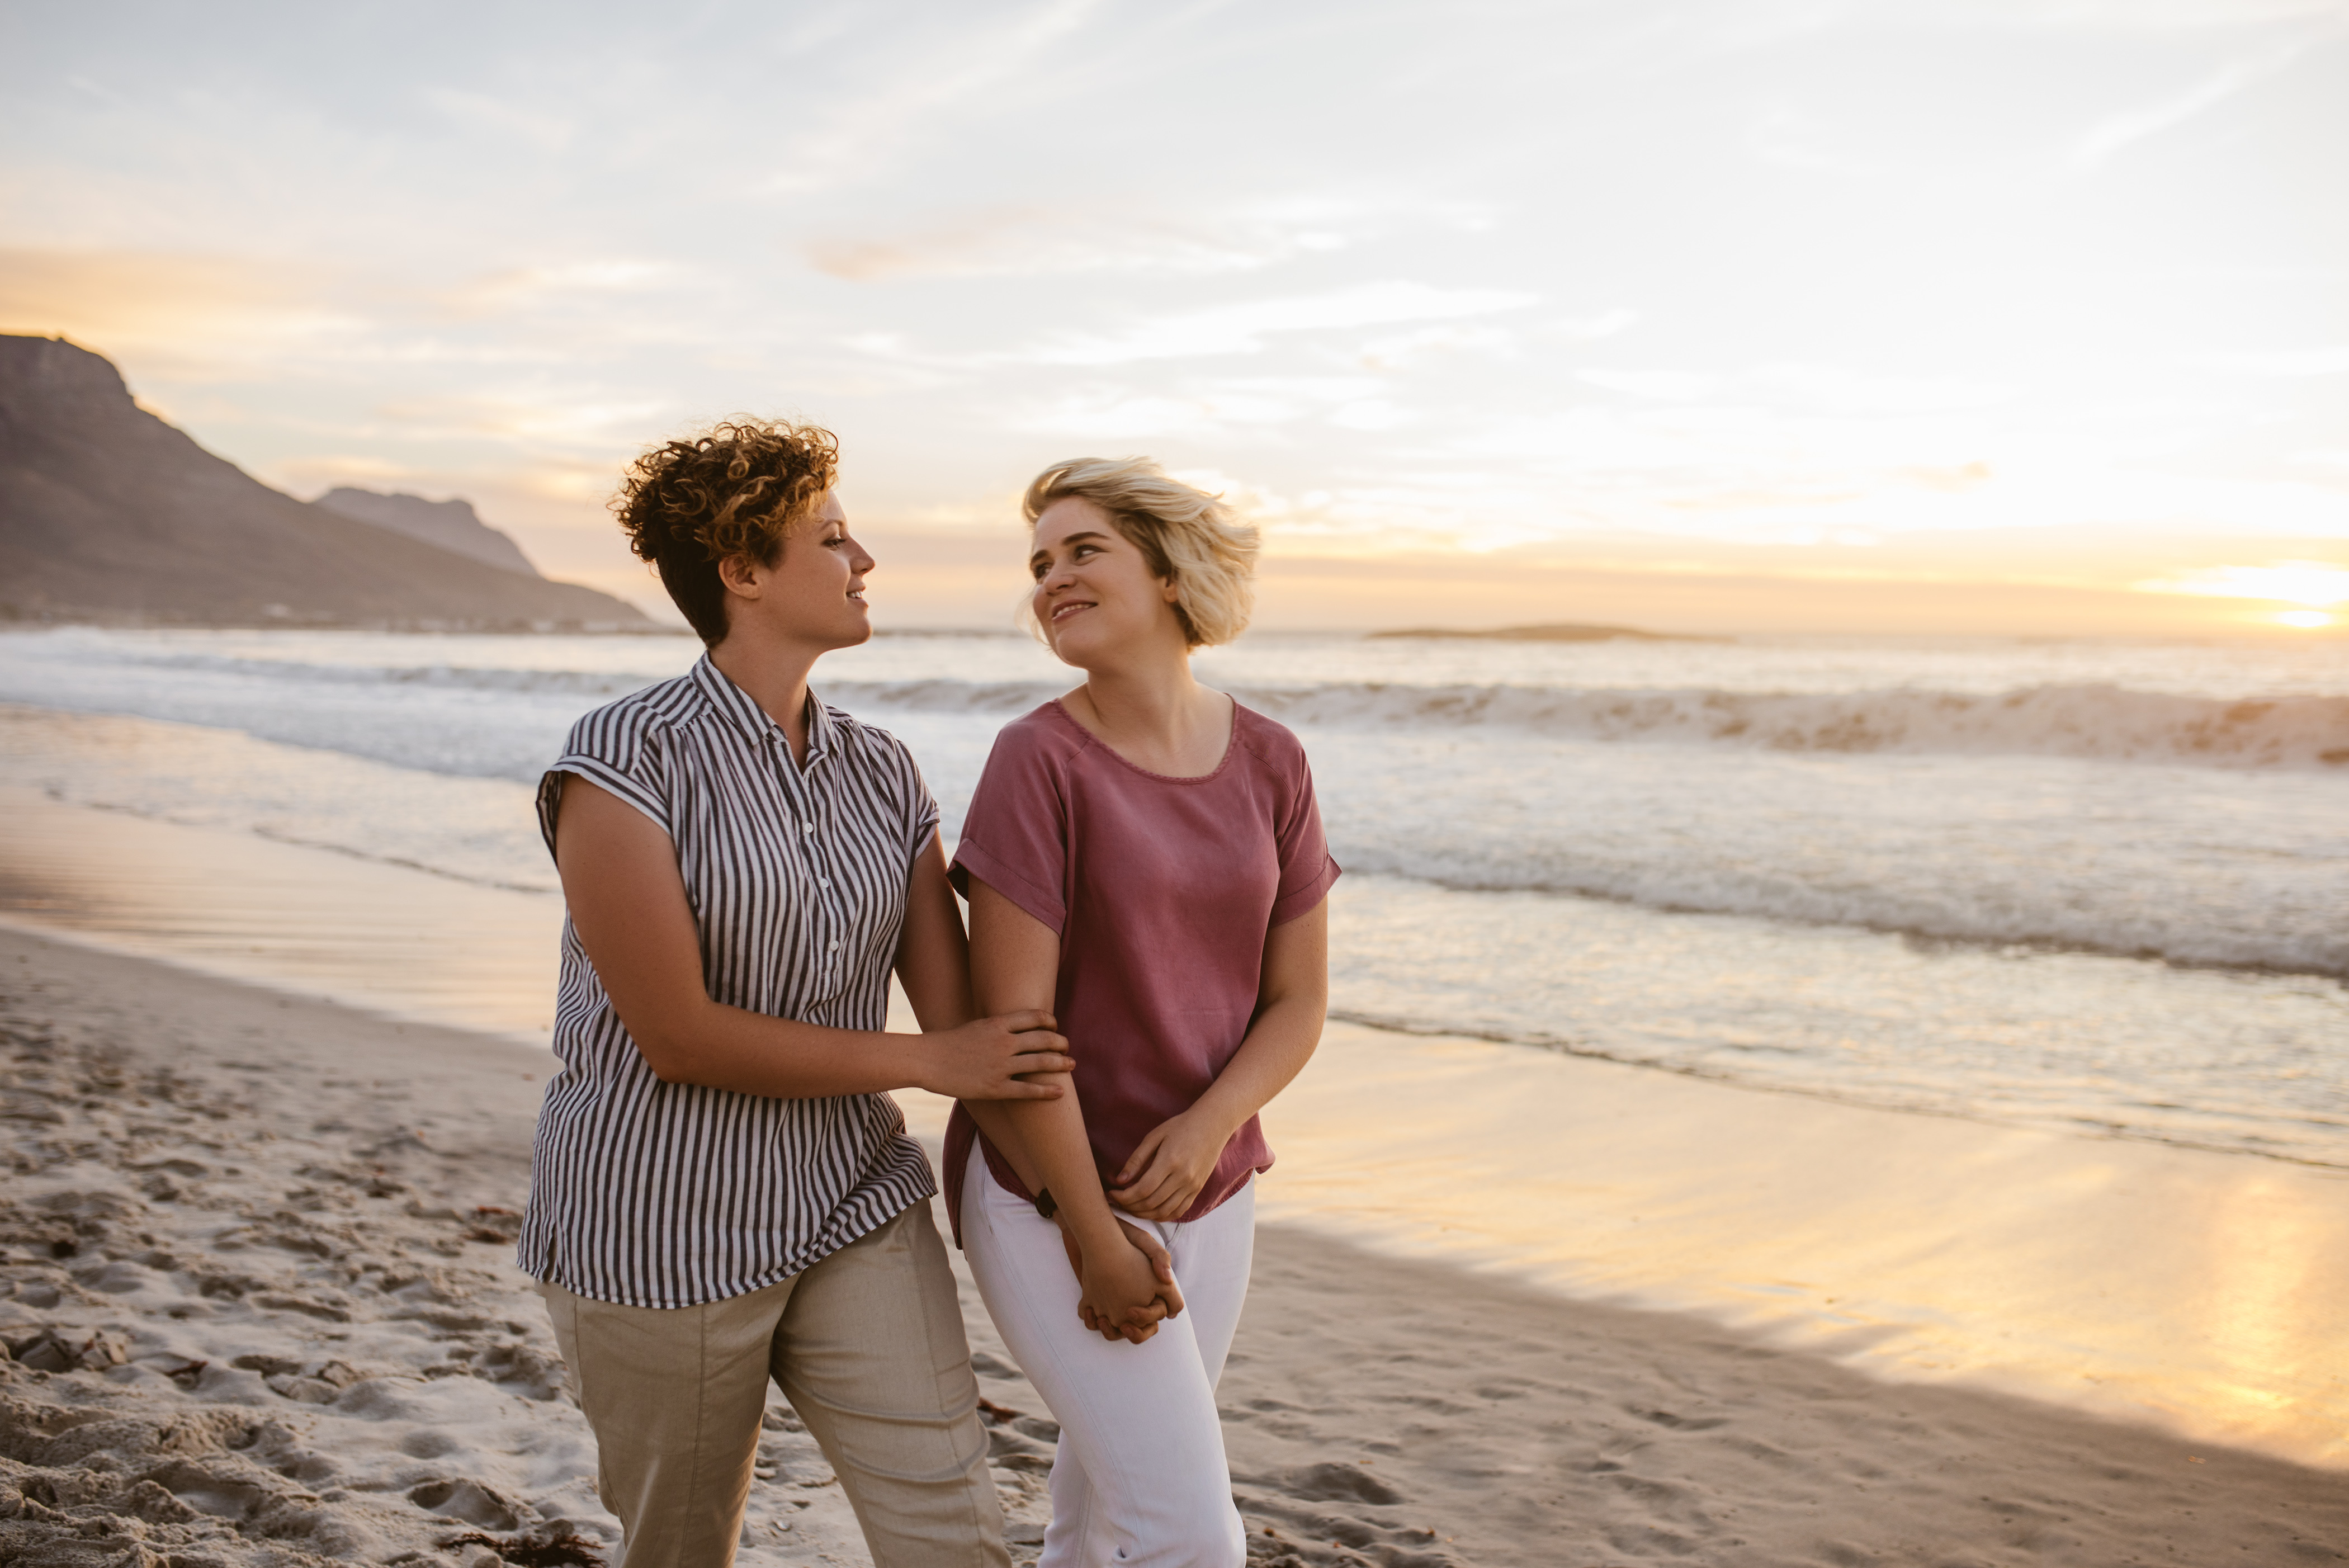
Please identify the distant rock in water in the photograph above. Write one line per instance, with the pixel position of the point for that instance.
(451, 524)
(1562, 633)
(107, 514)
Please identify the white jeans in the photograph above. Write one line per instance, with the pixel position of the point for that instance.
(1140, 1478)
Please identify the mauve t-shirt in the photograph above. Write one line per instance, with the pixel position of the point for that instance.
(1162, 891)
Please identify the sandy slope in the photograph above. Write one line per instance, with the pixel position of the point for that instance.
(262, 1308)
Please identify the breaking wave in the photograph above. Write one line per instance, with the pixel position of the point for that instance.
(2104, 723)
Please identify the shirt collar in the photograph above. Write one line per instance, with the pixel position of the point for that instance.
(736, 707)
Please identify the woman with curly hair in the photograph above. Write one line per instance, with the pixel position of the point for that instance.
(721, 1190)
(1144, 859)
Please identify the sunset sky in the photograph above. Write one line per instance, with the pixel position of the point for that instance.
(1997, 315)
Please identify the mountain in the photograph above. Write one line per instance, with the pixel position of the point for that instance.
(108, 514)
(451, 524)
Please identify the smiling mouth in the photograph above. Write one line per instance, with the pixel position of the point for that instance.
(1062, 611)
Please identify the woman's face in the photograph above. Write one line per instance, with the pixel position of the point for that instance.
(814, 592)
(1095, 595)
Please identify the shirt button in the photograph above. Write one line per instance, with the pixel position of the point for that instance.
(823, 881)
(807, 827)
(833, 948)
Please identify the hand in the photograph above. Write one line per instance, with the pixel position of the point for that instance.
(1120, 1295)
(989, 1058)
(1162, 1266)
(1163, 1175)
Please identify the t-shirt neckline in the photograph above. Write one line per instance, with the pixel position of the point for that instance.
(1231, 748)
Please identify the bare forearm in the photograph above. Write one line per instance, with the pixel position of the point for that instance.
(1051, 1151)
(1015, 961)
(997, 1125)
(722, 1047)
(933, 954)
(1278, 1046)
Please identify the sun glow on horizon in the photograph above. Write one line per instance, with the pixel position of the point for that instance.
(2319, 584)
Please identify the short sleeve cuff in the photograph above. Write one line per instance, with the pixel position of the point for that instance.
(973, 860)
(604, 776)
(1288, 906)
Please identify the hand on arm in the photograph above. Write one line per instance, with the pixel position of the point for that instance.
(1015, 963)
(1166, 1171)
(628, 905)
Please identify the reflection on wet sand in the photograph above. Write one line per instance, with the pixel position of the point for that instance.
(2196, 1291)
(335, 926)
(2201, 1290)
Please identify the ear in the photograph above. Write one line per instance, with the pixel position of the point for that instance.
(741, 576)
(1168, 589)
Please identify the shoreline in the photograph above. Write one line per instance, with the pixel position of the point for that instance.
(285, 1263)
(2135, 1279)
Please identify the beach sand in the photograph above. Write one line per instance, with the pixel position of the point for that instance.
(261, 1302)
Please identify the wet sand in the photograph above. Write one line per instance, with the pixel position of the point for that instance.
(262, 1305)
(2190, 1290)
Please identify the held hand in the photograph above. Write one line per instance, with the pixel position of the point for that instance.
(1166, 1171)
(1122, 1296)
(989, 1058)
(1162, 1266)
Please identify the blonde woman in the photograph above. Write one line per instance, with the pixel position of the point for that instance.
(1144, 862)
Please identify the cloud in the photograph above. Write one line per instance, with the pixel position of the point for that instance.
(578, 423)
(1039, 240)
(1033, 241)
(1221, 409)
(523, 287)
(1115, 415)
(2069, 15)
(2331, 361)
(1792, 138)
(477, 111)
(112, 299)
(1242, 328)
(1592, 328)
(1662, 386)
(2120, 132)
(874, 117)
(1827, 387)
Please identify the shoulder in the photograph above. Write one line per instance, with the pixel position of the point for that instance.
(1272, 744)
(639, 717)
(870, 743)
(1045, 736)
(1030, 767)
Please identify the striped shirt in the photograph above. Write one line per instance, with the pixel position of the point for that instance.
(668, 1195)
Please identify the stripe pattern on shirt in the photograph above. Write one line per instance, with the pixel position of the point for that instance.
(669, 1194)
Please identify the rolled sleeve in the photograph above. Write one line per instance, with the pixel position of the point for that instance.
(1015, 836)
(1307, 869)
(627, 760)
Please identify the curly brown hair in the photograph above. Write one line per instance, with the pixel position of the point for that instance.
(740, 488)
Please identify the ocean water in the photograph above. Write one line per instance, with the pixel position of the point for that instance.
(2086, 885)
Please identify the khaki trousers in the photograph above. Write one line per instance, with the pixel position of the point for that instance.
(867, 1344)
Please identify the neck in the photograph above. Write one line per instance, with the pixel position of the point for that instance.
(773, 673)
(1150, 696)
(1152, 712)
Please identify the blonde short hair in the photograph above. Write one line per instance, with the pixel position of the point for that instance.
(1188, 536)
